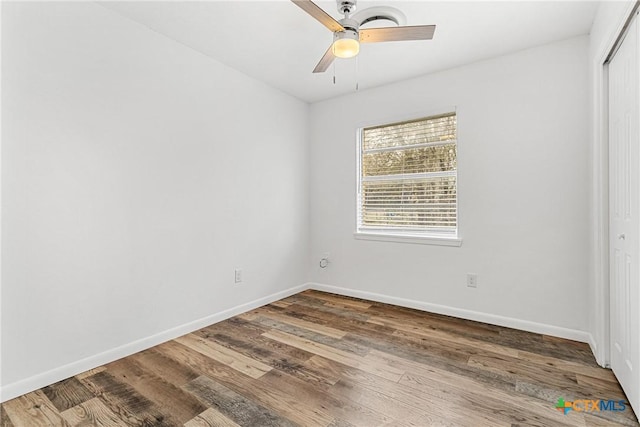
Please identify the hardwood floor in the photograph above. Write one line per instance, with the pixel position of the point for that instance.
(318, 359)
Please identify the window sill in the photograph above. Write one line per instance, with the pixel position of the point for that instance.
(420, 240)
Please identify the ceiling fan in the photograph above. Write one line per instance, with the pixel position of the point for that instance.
(347, 34)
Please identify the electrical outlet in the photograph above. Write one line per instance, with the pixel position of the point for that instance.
(324, 261)
(238, 277)
(472, 280)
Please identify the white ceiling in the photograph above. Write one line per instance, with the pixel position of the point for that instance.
(278, 43)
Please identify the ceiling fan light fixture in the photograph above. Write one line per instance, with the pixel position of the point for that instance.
(347, 34)
(346, 44)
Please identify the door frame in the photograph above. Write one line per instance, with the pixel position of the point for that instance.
(599, 326)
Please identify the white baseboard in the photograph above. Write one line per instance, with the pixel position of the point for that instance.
(600, 359)
(509, 322)
(38, 381)
(593, 345)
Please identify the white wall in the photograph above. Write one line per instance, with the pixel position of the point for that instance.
(136, 175)
(523, 190)
(607, 25)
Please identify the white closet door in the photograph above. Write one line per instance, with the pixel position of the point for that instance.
(624, 215)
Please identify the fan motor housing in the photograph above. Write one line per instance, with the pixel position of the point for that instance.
(348, 34)
(350, 24)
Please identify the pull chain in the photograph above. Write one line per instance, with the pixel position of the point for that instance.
(334, 72)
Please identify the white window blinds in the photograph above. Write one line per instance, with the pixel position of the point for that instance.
(408, 175)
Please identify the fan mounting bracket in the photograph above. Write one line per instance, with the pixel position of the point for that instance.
(346, 7)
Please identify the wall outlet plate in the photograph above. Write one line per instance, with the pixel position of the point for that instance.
(238, 275)
(472, 280)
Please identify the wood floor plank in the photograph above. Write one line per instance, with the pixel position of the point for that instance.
(566, 365)
(234, 359)
(606, 418)
(563, 350)
(599, 385)
(33, 410)
(374, 399)
(624, 418)
(200, 363)
(312, 336)
(405, 356)
(344, 408)
(513, 368)
(463, 347)
(495, 405)
(436, 411)
(286, 404)
(340, 423)
(340, 317)
(246, 337)
(307, 304)
(164, 367)
(90, 372)
(310, 326)
(277, 355)
(539, 409)
(67, 394)
(280, 303)
(339, 300)
(349, 359)
(436, 405)
(233, 405)
(211, 418)
(427, 353)
(412, 330)
(318, 359)
(92, 412)
(365, 334)
(436, 383)
(343, 306)
(249, 329)
(425, 420)
(129, 405)
(5, 421)
(175, 405)
(434, 321)
(597, 422)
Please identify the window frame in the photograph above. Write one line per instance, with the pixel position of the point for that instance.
(426, 237)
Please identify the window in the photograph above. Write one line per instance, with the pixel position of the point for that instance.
(407, 179)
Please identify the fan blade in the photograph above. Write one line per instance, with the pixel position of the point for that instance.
(394, 34)
(312, 9)
(326, 60)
